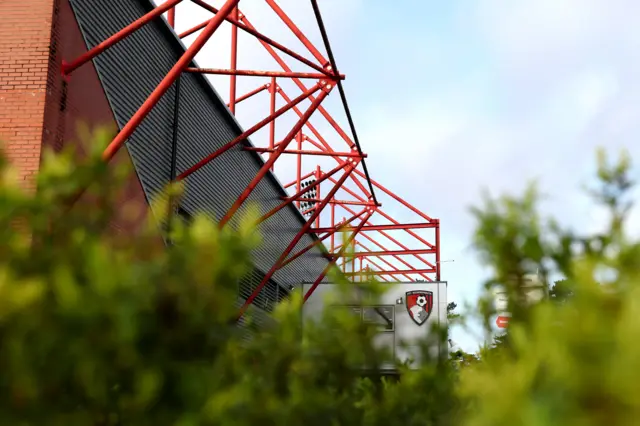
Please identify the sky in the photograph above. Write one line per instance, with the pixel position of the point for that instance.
(450, 97)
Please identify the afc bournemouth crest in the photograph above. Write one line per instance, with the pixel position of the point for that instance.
(419, 305)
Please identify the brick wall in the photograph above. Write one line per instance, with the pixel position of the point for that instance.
(41, 110)
(25, 30)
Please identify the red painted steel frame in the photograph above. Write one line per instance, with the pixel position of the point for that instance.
(339, 255)
(297, 238)
(352, 188)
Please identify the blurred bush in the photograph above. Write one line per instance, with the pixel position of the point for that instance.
(573, 359)
(104, 328)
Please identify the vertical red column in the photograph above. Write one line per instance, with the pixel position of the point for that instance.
(234, 61)
(24, 64)
(171, 17)
(333, 225)
(353, 260)
(272, 110)
(318, 194)
(438, 262)
(299, 164)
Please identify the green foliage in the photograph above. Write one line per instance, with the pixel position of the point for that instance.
(561, 291)
(102, 329)
(570, 363)
(98, 328)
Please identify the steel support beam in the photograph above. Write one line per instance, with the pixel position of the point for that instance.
(392, 252)
(68, 68)
(265, 169)
(263, 39)
(307, 152)
(295, 241)
(319, 240)
(391, 227)
(402, 272)
(252, 93)
(248, 133)
(254, 73)
(168, 80)
(302, 192)
(332, 263)
(383, 260)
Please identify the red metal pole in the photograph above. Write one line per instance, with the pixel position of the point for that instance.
(318, 173)
(299, 164)
(398, 258)
(250, 94)
(350, 192)
(401, 272)
(318, 241)
(255, 73)
(68, 68)
(345, 244)
(298, 194)
(304, 212)
(299, 83)
(431, 246)
(263, 171)
(333, 224)
(377, 266)
(403, 226)
(248, 133)
(353, 259)
(325, 144)
(293, 182)
(234, 62)
(168, 80)
(385, 261)
(398, 199)
(386, 216)
(438, 263)
(307, 152)
(283, 16)
(294, 242)
(172, 17)
(249, 29)
(393, 252)
(272, 107)
(393, 240)
(332, 262)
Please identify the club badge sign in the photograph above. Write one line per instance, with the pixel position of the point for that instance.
(419, 304)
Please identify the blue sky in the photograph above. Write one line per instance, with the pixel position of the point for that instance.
(453, 96)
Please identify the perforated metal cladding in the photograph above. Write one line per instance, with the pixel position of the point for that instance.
(129, 72)
(271, 294)
(217, 185)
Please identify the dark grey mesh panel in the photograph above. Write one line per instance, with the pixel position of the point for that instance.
(129, 72)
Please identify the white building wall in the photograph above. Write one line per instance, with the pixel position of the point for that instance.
(405, 330)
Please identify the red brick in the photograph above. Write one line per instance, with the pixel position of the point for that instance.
(19, 80)
(31, 90)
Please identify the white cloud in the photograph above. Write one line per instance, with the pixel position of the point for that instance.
(562, 80)
(552, 79)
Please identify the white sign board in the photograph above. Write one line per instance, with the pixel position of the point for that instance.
(406, 313)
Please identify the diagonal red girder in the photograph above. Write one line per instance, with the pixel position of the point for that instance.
(353, 188)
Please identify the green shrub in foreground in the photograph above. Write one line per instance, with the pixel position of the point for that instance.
(102, 329)
(97, 329)
(570, 363)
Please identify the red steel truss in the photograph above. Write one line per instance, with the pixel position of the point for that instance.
(374, 243)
